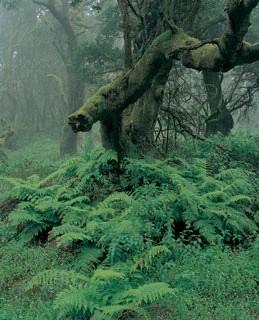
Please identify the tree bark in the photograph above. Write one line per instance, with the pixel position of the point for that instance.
(131, 132)
(216, 55)
(128, 59)
(220, 119)
(138, 120)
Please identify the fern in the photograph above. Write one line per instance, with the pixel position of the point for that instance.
(107, 275)
(67, 234)
(118, 201)
(69, 238)
(22, 217)
(148, 293)
(74, 300)
(147, 259)
(88, 259)
(90, 300)
(63, 229)
(238, 200)
(121, 234)
(78, 201)
(50, 278)
(119, 311)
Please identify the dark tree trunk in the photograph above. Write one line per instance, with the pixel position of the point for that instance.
(132, 132)
(124, 9)
(220, 119)
(138, 121)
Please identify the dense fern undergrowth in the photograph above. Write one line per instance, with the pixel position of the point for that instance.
(149, 239)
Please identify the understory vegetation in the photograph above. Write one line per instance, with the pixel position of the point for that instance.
(129, 159)
(91, 238)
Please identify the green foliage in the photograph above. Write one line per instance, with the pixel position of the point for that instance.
(30, 159)
(213, 283)
(131, 236)
(239, 150)
(106, 294)
(102, 52)
(18, 264)
(54, 277)
(146, 261)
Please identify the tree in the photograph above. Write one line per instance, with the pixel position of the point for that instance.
(172, 43)
(42, 77)
(75, 85)
(75, 52)
(27, 56)
(137, 123)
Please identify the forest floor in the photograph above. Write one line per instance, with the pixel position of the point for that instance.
(171, 239)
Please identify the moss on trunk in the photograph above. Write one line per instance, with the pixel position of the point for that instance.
(215, 55)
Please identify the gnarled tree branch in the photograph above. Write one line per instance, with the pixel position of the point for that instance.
(211, 55)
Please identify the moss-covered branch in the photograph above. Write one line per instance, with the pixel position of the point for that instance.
(123, 90)
(214, 55)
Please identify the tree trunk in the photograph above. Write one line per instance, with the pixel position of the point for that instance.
(131, 132)
(124, 9)
(75, 99)
(220, 119)
(135, 133)
(138, 120)
(217, 55)
(75, 86)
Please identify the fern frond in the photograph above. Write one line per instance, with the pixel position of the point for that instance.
(21, 217)
(65, 171)
(74, 300)
(148, 257)
(207, 230)
(32, 231)
(69, 238)
(118, 200)
(216, 196)
(63, 229)
(78, 201)
(107, 275)
(115, 252)
(239, 200)
(88, 259)
(149, 293)
(120, 311)
(53, 277)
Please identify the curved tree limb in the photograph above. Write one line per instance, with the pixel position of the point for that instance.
(212, 55)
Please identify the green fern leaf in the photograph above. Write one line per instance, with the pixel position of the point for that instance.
(149, 293)
(148, 257)
(53, 277)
